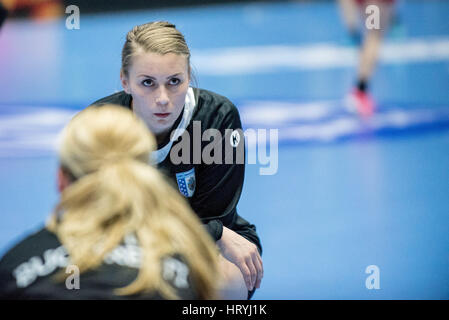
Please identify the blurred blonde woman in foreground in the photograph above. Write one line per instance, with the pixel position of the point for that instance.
(128, 233)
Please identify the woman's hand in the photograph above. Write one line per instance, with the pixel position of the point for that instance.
(244, 255)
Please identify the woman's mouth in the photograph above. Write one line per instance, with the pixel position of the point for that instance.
(162, 115)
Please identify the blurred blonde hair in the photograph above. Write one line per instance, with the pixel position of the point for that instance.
(115, 193)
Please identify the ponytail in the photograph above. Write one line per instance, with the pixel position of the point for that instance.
(123, 196)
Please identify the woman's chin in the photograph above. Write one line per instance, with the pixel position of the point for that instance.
(161, 127)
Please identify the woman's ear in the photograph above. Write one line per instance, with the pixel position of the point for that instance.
(63, 180)
(125, 82)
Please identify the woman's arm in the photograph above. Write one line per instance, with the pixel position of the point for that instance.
(244, 255)
(219, 186)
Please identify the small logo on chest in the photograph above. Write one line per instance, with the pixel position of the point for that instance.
(186, 182)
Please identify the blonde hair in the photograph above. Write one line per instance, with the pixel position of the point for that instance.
(159, 37)
(116, 193)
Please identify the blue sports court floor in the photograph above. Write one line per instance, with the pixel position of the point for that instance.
(347, 194)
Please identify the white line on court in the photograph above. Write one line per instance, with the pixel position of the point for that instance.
(265, 59)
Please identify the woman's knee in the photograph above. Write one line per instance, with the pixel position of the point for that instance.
(233, 286)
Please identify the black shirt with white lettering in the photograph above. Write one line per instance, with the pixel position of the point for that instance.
(207, 166)
(28, 270)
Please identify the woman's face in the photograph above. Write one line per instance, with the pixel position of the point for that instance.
(158, 85)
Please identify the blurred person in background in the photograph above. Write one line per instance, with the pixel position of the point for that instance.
(3, 14)
(35, 9)
(129, 233)
(369, 42)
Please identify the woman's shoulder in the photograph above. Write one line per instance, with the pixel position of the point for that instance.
(211, 98)
(215, 109)
(33, 244)
(29, 259)
(120, 98)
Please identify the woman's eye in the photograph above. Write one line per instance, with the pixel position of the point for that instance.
(147, 82)
(174, 81)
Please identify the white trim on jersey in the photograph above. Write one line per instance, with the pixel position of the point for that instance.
(189, 107)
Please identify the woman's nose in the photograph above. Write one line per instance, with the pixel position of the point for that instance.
(162, 97)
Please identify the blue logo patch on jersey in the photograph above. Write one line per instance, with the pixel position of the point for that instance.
(186, 182)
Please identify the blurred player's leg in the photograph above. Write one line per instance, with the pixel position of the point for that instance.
(350, 13)
(372, 43)
(369, 55)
